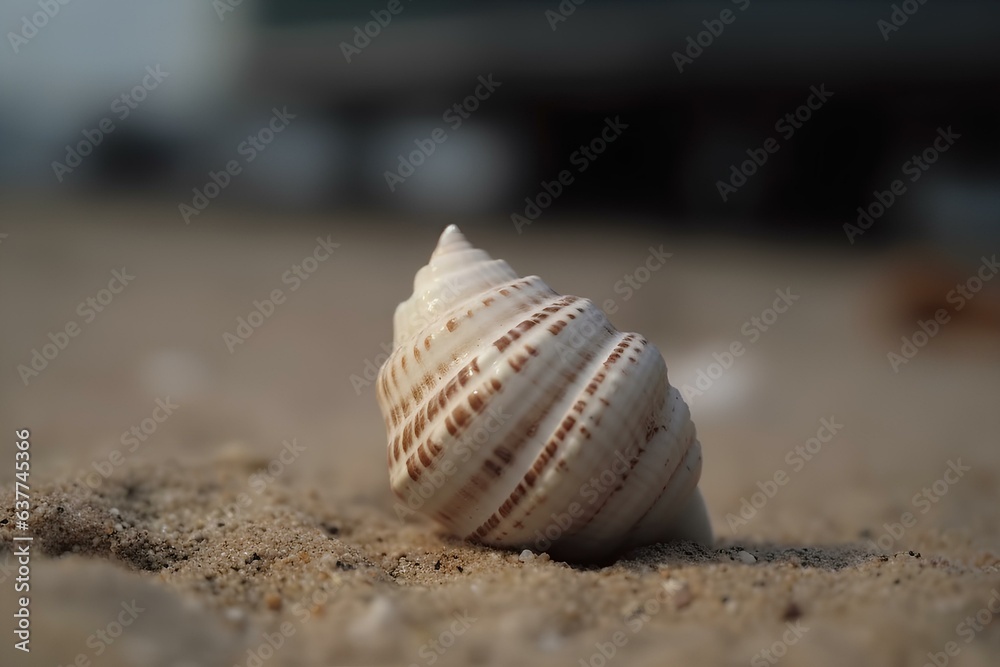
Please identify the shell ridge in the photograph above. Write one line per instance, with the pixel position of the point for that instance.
(489, 359)
(539, 473)
(512, 360)
(506, 404)
(629, 437)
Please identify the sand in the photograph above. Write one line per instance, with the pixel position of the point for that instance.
(255, 526)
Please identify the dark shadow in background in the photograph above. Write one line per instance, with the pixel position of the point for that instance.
(562, 75)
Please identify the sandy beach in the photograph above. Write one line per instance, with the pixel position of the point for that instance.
(203, 497)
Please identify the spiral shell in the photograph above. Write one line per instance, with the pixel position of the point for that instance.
(518, 417)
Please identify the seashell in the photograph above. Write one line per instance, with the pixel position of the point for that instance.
(518, 417)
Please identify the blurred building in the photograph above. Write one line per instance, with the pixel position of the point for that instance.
(698, 88)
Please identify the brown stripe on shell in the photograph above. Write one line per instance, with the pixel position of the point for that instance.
(461, 415)
(459, 419)
(412, 469)
(593, 385)
(517, 361)
(420, 420)
(652, 428)
(426, 452)
(442, 397)
(471, 490)
(407, 436)
(513, 334)
(551, 447)
(435, 404)
(543, 458)
(618, 351)
(423, 455)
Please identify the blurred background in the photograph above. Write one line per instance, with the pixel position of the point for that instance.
(846, 152)
(361, 98)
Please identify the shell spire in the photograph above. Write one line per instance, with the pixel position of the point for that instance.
(518, 417)
(452, 240)
(455, 272)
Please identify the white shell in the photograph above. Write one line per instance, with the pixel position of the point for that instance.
(517, 417)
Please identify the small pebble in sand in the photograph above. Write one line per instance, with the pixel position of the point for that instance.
(679, 592)
(747, 558)
(526, 556)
